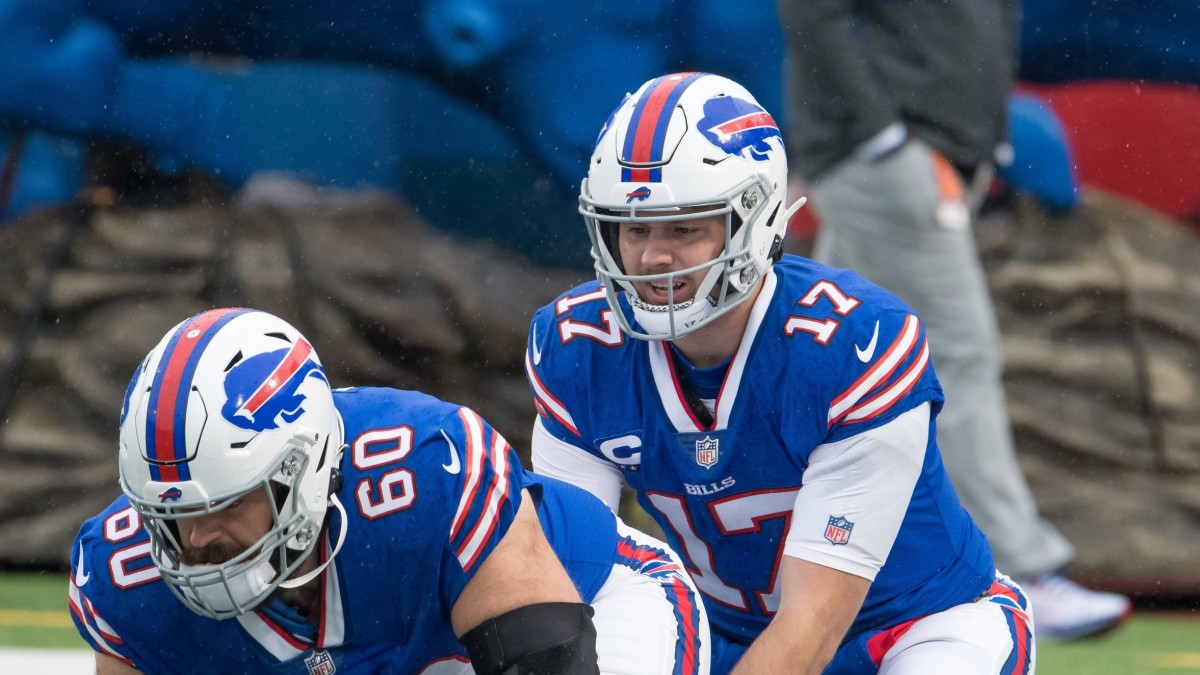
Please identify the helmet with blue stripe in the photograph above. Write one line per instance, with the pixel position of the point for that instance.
(229, 402)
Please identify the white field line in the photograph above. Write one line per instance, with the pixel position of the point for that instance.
(47, 661)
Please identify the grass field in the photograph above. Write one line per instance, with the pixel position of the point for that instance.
(33, 614)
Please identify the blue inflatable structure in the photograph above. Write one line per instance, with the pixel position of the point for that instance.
(430, 98)
(481, 113)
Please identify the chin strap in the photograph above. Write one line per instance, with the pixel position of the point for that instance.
(301, 580)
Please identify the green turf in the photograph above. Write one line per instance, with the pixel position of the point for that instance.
(34, 613)
(1151, 644)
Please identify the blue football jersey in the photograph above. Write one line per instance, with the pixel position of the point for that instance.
(826, 355)
(429, 490)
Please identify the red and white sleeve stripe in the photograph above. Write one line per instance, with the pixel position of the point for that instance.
(485, 492)
(546, 402)
(878, 389)
(103, 637)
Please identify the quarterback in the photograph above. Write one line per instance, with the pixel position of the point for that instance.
(775, 416)
(270, 524)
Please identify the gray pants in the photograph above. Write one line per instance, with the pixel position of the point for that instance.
(882, 219)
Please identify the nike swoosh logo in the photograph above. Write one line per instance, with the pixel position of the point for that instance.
(865, 355)
(537, 352)
(454, 466)
(81, 577)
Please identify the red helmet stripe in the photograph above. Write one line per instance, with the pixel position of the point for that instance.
(283, 372)
(169, 392)
(753, 120)
(651, 115)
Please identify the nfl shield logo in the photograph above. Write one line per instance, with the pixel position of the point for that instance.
(838, 530)
(320, 663)
(707, 451)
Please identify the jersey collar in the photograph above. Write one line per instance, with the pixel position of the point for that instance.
(670, 388)
(331, 630)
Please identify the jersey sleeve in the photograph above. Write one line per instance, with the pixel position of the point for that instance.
(566, 382)
(856, 494)
(558, 459)
(91, 594)
(542, 371)
(487, 492)
(886, 371)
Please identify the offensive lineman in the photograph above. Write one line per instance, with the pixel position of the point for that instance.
(440, 554)
(774, 415)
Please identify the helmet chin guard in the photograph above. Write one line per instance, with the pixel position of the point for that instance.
(229, 402)
(687, 146)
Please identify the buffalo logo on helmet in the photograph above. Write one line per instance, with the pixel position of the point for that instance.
(640, 194)
(263, 391)
(739, 127)
(171, 494)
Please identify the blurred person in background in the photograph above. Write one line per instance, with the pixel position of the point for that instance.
(896, 111)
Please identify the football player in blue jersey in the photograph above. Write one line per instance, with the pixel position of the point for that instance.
(270, 524)
(775, 416)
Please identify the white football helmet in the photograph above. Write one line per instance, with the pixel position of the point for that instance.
(231, 401)
(684, 146)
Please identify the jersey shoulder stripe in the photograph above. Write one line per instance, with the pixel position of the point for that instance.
(94, 629)
(879, 403)
(110, 558)
(479, 511)
(878, 387)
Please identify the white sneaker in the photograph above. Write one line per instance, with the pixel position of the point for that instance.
(1064, 610)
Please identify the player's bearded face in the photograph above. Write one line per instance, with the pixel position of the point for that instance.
(219, 537)
(661, 247)
(213, 554)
